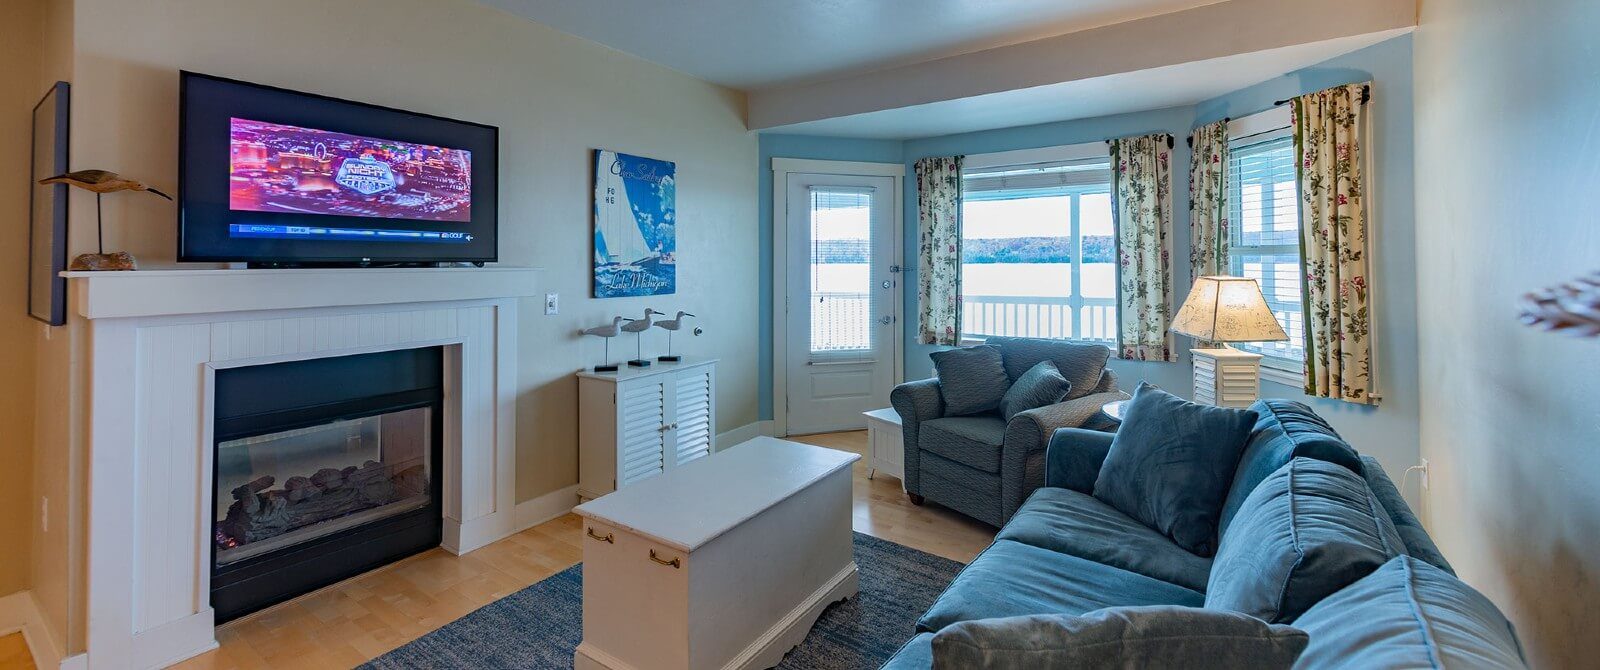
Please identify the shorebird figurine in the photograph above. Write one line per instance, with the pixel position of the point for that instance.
(605, 332)
(671, 325)
(101, 182)
(637, 327)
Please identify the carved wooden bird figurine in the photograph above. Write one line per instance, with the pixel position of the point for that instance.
(101, 181)
(604, 331)
(637, 327)
(671, 325)
(641, 325)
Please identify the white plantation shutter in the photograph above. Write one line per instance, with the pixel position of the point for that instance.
(644, 411)
(694, 429)
(1264, 231)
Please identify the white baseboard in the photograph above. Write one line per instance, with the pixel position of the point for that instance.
(19, 612)
(530, 513)
(741, 434)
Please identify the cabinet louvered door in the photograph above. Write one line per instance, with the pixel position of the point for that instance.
(692, 418)
(642, 429)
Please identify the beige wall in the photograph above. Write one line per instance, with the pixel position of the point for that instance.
(554, 98)
(20, 89)
(1507, 172)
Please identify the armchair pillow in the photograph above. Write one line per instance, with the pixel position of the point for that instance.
(1157, 636)
(1170, 465)
(1041, 385)
(971, 379)
(1308, 530)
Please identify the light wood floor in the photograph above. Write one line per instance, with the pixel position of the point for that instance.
(14, 653)
(361, 618)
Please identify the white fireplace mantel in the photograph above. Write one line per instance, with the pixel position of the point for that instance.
(156, 340)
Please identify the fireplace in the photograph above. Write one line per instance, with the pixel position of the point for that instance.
(324, 468)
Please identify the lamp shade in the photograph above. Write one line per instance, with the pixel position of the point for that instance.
(1227, 309)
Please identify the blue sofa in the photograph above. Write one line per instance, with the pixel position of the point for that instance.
(1066, 552)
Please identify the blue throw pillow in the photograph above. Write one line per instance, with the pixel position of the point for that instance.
(1159, 636)
(1040, 386)
(1408, 614)
(1306, 531)
(972, 379)
(1170, 465)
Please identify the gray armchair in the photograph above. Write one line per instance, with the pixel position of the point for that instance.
(984, 466)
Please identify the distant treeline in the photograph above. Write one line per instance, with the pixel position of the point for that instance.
(1096, 249)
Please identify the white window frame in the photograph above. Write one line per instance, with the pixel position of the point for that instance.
(1025, 157)
(1273, 124)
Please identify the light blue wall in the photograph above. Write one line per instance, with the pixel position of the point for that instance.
(796, 146)
(1389, 431)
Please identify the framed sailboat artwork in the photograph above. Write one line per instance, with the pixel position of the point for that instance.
(635, 225)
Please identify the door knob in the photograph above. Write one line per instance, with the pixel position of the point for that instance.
(886, 320)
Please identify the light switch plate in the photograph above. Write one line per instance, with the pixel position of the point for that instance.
(552, 303)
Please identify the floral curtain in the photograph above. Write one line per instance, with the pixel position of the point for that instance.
(1333, 243)
(939, 250)
(1141, 193)
(1208, 201)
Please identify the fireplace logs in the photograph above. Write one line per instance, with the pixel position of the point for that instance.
(260, 512)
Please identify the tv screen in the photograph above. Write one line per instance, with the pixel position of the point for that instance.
(277, 177)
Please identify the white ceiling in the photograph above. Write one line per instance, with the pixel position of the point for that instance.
(758, 44)
(1155, 88)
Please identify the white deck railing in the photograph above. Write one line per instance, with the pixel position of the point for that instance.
(1074, 318)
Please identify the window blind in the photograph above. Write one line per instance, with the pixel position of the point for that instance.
(1054, 174)
(1264, 233)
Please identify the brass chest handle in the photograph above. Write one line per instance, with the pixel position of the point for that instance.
(607, 538)
(675, 563)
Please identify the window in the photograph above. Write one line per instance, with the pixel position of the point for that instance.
(1264, 235)
(841, 277)
(1038, 255)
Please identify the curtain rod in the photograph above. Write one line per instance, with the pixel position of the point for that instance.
(1366, 97)
(1169, 140)
(1190, 138)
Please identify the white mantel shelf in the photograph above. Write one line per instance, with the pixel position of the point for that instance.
(140, 293)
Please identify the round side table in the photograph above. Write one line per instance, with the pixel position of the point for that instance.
(1114, 409)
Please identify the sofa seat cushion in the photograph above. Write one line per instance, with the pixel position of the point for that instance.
(973, 441)
(1307, 531)
(916, 654)
(1078, 524)
(1013, 579)
(1284, 430)
(1408, 614)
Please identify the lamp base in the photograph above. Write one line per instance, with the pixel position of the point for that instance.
(1226, 377)
(606, 367)
(639, 363)
(116, 260)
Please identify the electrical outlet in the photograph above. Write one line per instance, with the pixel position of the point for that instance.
(552, 303)
(1425, 479)
(44, 513)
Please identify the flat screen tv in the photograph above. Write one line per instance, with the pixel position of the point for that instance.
(279, 178)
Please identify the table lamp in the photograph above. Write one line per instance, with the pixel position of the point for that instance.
(1224, 309)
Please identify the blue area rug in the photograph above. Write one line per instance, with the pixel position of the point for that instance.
(540, 626)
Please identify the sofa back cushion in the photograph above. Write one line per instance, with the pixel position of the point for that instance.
(1159, 636)
(1308, 530)
(1170, 464)
(1284, 430)
(971, 379)
(1408, 614)
(1080, 363)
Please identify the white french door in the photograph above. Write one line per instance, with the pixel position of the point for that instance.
(842, 311)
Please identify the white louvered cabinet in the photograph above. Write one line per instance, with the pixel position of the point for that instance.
(637, 423)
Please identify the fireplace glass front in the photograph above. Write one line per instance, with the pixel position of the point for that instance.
(293, 486)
